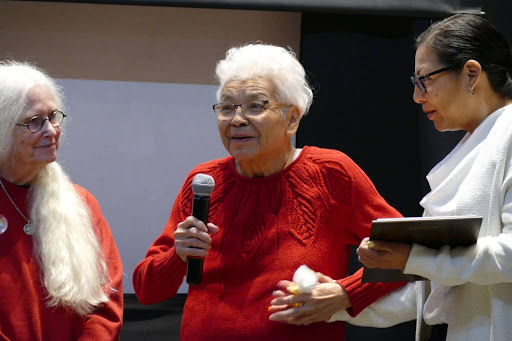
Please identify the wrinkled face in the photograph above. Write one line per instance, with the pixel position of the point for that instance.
(258, 138)
(35, 150)
(446, 96)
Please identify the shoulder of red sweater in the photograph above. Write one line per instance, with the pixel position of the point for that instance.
(212, 165)
(212, 168)
(89, 199)
(84, 193)
(325, 154)
(81, 189)
(329, 159)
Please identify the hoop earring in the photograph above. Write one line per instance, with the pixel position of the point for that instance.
(471, 92)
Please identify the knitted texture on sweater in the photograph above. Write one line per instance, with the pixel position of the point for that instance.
(24, 314)
(309, 213)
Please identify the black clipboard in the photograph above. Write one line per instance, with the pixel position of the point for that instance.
(432, 232)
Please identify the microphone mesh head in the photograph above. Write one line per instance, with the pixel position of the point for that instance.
(203, 184)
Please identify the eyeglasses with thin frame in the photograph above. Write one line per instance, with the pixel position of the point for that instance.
(418, 80)
(249, 108)
(36, 123)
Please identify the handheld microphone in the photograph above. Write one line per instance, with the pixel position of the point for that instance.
(202, 186)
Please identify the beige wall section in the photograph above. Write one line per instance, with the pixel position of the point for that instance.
(134, 43)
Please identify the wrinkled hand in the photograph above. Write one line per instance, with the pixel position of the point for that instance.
(383, 255)
(326, 298)
(192, 238)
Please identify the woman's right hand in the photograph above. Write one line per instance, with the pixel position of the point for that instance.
(192, 238)
(383, 255)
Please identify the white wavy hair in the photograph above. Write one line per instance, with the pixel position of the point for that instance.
(270, 62)
(74, 270)
(16, 80)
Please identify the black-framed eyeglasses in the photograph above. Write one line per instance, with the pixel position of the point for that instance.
(249, 108)
(418, 80)
(36, 123)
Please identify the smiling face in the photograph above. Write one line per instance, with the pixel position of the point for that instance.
(35, 150)
(447, 93)
(263, 139)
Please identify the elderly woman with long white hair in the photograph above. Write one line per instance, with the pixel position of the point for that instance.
(274, 208)
(61, 274)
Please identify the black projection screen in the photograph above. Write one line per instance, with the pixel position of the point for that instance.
(411, 8)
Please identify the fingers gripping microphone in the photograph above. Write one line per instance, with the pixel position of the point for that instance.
(202, 186)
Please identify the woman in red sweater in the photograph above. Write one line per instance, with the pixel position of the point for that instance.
(61, 273)
(274, 207)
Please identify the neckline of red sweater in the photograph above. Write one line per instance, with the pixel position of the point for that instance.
(279, 174)
(13, 189)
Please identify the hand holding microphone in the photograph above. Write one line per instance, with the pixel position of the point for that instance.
(192, 239)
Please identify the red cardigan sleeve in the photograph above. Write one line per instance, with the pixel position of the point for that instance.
(106, 321)
(364, 205)
(159, 275)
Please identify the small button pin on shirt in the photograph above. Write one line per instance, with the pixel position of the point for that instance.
(3, 224)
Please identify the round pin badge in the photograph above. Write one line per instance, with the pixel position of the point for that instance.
(3, 224)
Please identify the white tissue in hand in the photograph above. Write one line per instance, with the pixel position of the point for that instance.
(305, 278)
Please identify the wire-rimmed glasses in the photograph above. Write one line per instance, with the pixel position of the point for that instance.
(418, 80)
(249, 108)
(36, 123)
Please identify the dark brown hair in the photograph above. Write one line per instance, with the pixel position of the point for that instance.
(462, 37)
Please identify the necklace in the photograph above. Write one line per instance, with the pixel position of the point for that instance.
(28, 226)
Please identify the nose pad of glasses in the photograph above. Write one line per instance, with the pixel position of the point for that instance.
(242, 111)
(48, 126)
(418, 96)
(422, 87)
(417, 83)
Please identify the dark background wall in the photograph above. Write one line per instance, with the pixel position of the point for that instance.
(360, 66)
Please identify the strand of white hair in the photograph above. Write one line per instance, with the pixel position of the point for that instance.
(74, 270)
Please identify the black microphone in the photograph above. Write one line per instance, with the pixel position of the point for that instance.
(202, 186)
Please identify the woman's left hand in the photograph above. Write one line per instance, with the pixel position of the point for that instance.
(326, 298)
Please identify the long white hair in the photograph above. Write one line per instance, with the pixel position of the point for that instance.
(74, 270)
(16, 80)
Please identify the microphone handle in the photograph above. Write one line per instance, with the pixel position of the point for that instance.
(200, 209)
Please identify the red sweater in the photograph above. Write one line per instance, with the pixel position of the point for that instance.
(309, 213)
(24, 315)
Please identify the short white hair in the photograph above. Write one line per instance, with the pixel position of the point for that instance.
(273, 63)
